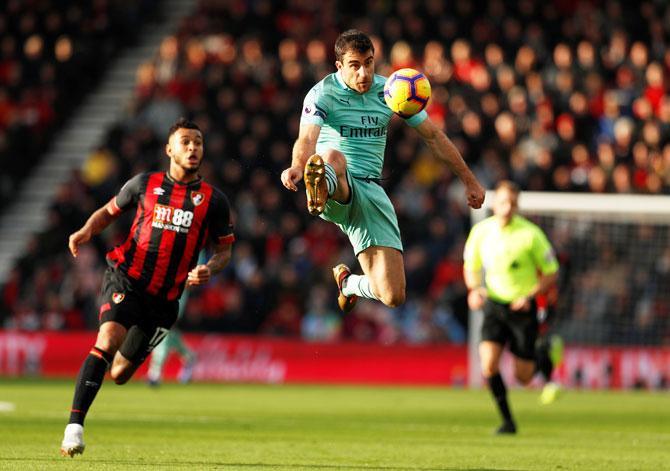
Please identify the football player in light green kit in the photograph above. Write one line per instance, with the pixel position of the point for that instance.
(340, 154)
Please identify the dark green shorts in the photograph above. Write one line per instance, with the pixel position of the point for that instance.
(368, 219)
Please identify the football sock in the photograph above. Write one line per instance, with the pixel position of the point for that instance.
(331, 179)
(499, 392)
(358, 285)
(543, 363)
(88, 383)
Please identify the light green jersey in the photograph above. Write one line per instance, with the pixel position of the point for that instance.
(353, 123)
(511, 256)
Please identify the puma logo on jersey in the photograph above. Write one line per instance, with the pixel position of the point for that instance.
(159, 191)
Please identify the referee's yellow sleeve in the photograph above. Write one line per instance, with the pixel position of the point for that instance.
(543, 254)
(472, 260)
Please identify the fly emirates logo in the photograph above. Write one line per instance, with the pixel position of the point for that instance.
(172, 219)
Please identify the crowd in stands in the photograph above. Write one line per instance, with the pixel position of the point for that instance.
(556, 95)
(51, 54)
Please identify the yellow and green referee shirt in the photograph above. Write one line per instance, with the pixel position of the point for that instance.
(510, 256)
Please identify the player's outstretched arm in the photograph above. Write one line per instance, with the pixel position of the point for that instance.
(95, 224)
(303, 149)
(442, 147)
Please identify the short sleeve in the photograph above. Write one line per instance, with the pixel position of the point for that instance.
(543, 253)
(128, 195)
(417, 119)
(472, 260)
(220, 226)
(314, 109)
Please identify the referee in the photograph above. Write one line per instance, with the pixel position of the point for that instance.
(507, 262)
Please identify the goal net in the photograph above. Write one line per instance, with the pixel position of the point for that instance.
(614, 251)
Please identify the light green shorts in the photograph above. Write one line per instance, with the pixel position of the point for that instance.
(368, 219)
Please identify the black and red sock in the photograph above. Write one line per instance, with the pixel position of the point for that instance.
(88, 384)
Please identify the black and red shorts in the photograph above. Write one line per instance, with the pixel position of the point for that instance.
(121, 302)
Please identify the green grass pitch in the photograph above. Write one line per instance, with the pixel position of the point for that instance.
(300, 427)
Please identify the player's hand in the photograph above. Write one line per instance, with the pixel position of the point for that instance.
(476, 298)
(290, 177)
(76, 239)
(199, 275)
(521, 304)
(475, 194)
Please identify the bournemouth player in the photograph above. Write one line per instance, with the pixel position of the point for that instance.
(518, 263)
(340, 153)
(176, 214)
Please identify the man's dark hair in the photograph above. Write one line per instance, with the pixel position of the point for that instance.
(182, 123)
(352, 40)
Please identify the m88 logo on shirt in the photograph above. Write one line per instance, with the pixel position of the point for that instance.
(172, 219)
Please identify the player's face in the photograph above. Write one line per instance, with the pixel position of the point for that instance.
(185, 148)
(505, 204)
(357, 69)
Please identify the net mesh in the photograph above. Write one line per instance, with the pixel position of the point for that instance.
(615, 278)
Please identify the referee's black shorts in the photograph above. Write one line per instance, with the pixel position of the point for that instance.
(519, 328)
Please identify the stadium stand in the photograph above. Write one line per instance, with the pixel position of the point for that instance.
(50, 57)
(557, 96)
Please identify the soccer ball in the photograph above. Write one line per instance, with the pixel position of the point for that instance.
(407, 92)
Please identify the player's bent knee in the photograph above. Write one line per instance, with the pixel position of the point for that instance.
(119, 376)
(393, 299)
(523, 381)
(523, 378)
(489, 371)
(336, 159)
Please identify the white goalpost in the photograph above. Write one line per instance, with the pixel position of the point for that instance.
(615, 268)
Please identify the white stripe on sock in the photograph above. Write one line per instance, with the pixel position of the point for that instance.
(331, 179)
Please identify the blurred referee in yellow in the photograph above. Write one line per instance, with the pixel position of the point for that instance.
(507, 262)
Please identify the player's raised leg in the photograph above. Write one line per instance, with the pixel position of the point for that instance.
(325, 177)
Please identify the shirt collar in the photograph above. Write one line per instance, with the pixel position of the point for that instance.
(173, 180)
(340, 80)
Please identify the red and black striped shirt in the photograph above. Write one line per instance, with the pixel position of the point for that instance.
(172, 223)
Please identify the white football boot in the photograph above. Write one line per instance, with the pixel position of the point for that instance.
(73, 440)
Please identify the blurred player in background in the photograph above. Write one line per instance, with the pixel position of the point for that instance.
(549, 346)
(508, 261)
(173, 342)
(176, 214)
(340, 154)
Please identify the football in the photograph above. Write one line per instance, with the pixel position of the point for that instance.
(407, 92)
